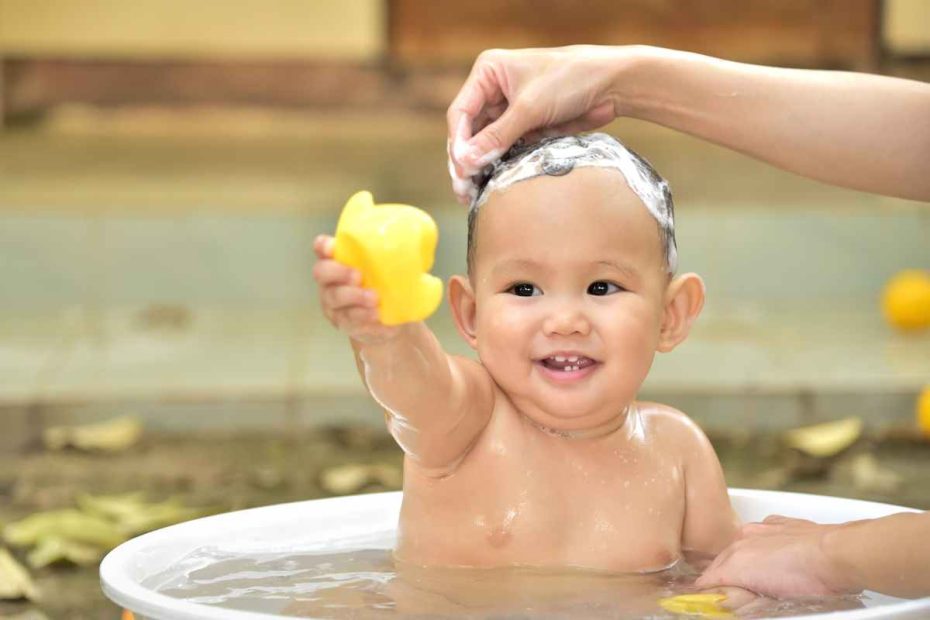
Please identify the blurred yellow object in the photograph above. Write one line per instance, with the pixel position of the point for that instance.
(66, 523)
(393, 246)
(827, 439)
(113, 435)
(923, 412)
(52, 550)
(906, 300)
(697, 605)
(128, 615)
(15, 582)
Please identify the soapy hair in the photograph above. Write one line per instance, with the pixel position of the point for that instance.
(558, 157)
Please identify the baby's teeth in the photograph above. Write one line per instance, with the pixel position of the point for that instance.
(559, 358)
(573, 358)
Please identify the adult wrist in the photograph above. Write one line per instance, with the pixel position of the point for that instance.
(634, 80)
(837, 547)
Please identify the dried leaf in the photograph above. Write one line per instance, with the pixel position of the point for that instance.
(113, 435)
(15, 582)
(29, 614)
(113, 507)
(869, 475)
(825, 440)
(346, 479)
(69, 524)
(53, 550)
(150, 517)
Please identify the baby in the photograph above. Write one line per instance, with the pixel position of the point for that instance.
(538, 454)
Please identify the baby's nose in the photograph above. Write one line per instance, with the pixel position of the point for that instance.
(566, 322)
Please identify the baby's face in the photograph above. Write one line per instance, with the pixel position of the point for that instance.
(570, 281)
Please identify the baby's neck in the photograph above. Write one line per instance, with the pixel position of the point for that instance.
(626, 418)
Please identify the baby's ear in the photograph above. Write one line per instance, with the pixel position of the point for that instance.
(462, 301)
(684, 299)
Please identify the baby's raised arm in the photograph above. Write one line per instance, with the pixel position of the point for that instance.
(435, 404)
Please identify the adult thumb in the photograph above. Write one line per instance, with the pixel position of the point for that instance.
(492, 141)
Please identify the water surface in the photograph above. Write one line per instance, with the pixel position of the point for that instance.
(368, 583)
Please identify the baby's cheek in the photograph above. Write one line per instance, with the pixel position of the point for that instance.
(506, 324)
(636, 339)
(501, 337)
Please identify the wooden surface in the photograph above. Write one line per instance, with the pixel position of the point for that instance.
(431, 44)
(827, 33)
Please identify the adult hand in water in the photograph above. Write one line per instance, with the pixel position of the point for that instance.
(866, 132)
(783, 557)
(779, 557)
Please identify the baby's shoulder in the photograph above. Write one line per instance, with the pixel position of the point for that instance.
(670, 423)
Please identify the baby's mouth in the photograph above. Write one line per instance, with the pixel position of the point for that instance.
(567, 363)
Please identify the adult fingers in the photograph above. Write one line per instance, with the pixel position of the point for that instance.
(786, 521)
(755, 529)
(593, 119)
(487, 116)
(713, 576)
(491, 142)
(481, 89)
(772, 519)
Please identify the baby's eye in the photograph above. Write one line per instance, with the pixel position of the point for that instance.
(524, 289)
(602, 287)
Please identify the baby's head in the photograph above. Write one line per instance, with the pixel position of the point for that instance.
(557, 157)
(571, 289)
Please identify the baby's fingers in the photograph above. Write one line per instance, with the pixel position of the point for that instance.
(328, 272)
(323, 246)
(339, 297)
(355, 319)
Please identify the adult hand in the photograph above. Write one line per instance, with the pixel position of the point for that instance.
(527, 93)
(779, 557)
(865, 132)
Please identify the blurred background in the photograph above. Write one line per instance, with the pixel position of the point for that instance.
(165, 166)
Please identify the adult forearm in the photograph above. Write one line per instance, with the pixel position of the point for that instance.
(860, 131)
(889, 555)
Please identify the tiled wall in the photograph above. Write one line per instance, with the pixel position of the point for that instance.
(48, 262)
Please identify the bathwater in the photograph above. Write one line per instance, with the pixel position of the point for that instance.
(368, 583)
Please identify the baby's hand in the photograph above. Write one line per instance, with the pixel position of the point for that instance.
(349, 307)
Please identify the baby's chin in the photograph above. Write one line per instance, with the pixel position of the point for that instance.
(575, 422)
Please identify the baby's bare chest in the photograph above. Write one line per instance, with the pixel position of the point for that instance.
(606, 508)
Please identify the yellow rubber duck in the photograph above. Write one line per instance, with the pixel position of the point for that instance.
(906, 300)
(697, 605)
(393, 246)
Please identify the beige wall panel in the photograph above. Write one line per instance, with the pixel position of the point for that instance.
(267, 29)
(907, 26)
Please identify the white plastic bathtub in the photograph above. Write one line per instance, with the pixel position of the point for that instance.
(341, 523)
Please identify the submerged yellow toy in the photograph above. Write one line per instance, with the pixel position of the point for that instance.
(697, 605)
(393, 246)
